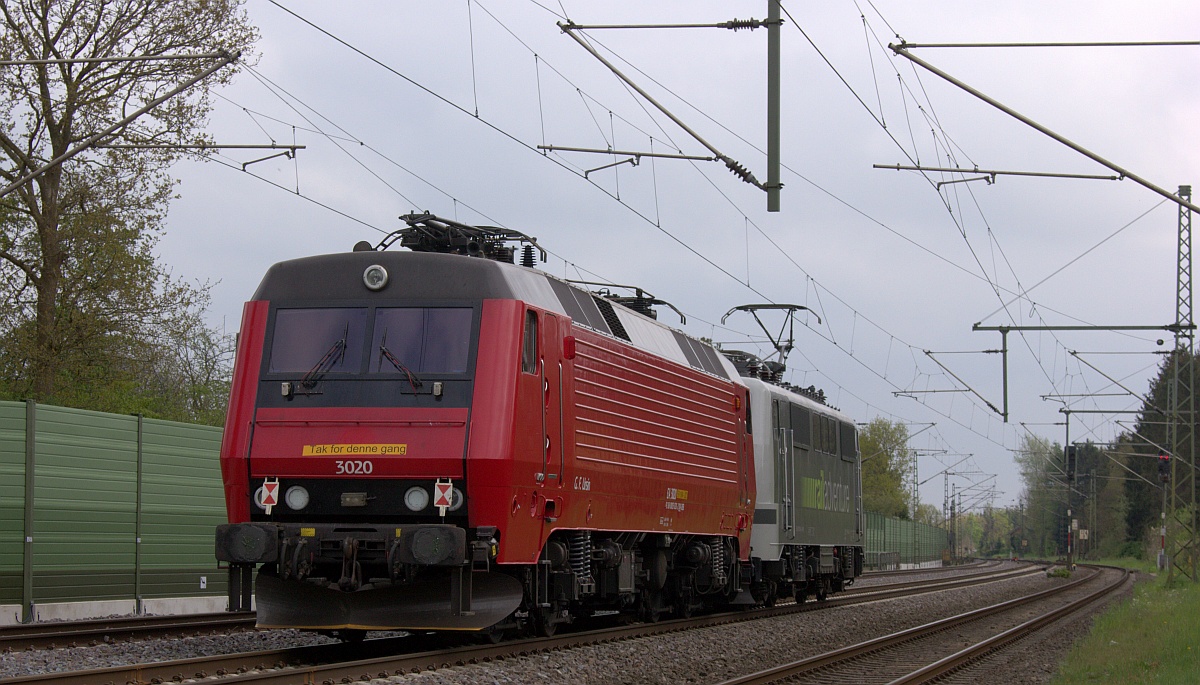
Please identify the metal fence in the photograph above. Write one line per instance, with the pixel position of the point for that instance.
(899, 543)
(105, 507)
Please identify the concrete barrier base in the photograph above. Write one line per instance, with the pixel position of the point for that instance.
(10, 614)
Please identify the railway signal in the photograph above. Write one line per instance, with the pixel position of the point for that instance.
(1164, 466)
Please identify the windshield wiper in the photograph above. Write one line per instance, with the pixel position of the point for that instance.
(385, 353)
(334, 356)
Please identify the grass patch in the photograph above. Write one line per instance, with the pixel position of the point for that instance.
(1152, 638)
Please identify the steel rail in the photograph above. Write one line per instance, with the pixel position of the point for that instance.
(859, 650)
(979, 650)
(206, 667)
(917, 587)
(73, 633)
(373, 658)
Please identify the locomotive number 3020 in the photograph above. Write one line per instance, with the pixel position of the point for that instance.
(353, 468)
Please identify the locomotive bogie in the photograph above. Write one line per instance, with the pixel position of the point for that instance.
(650, 574)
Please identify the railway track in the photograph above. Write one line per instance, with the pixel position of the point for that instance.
(383, 657)
(959, 580)
(103, 631)
(926, 653)
(94, 632)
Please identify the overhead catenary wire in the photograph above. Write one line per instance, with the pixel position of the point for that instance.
(1108, 44)
(962, 228)
(343, 214)
(773, 242)
(656, 221)
(738, 170)
(848, 205)
(511, 137)
(1004, 305)
(901, 49)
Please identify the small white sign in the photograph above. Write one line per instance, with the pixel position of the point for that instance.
(270, 493)
(443, 494)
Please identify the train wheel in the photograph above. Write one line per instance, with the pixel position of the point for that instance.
(492, 636)
(543, 623)
(683, 608)
(772, 594)
(651, 609)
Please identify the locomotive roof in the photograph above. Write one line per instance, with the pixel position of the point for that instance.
(797, 398)
(448, 277)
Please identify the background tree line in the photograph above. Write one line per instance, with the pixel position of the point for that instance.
(887, 471)
(88, 317)
(1116, 495)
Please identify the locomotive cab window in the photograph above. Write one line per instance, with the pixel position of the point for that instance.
(849, 441)
(529, 356)
(421, 339)
(330, 340)
(402, 340)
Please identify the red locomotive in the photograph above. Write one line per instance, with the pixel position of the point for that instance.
(424, 439)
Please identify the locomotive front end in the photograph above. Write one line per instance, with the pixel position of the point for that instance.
(345, 450)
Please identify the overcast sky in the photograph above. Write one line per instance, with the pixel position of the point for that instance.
(441, 107)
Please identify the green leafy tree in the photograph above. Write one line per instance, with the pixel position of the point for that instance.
(81, 288)
(985, 530)
(929, 515)
(885, 463)
(1149, 435)
(1112, 504)
(1044, 495)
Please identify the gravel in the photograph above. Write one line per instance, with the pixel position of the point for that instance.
(1036, 659)
(110, 653)
(698, 656)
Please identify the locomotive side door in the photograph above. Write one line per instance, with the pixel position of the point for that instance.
(552, 400)
(785, 466)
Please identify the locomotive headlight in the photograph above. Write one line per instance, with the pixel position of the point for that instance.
(416, 498)
(375, 277)
(456, 500)
(258, 498)
(296, 497)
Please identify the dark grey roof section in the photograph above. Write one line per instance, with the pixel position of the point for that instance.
(710, 359)
(685, 344)
(699, 354)
(579, 305)
(338, 278)
(413, 275)
(610, 318)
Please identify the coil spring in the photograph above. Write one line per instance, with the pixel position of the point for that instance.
(581, 553)
(720, 561)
